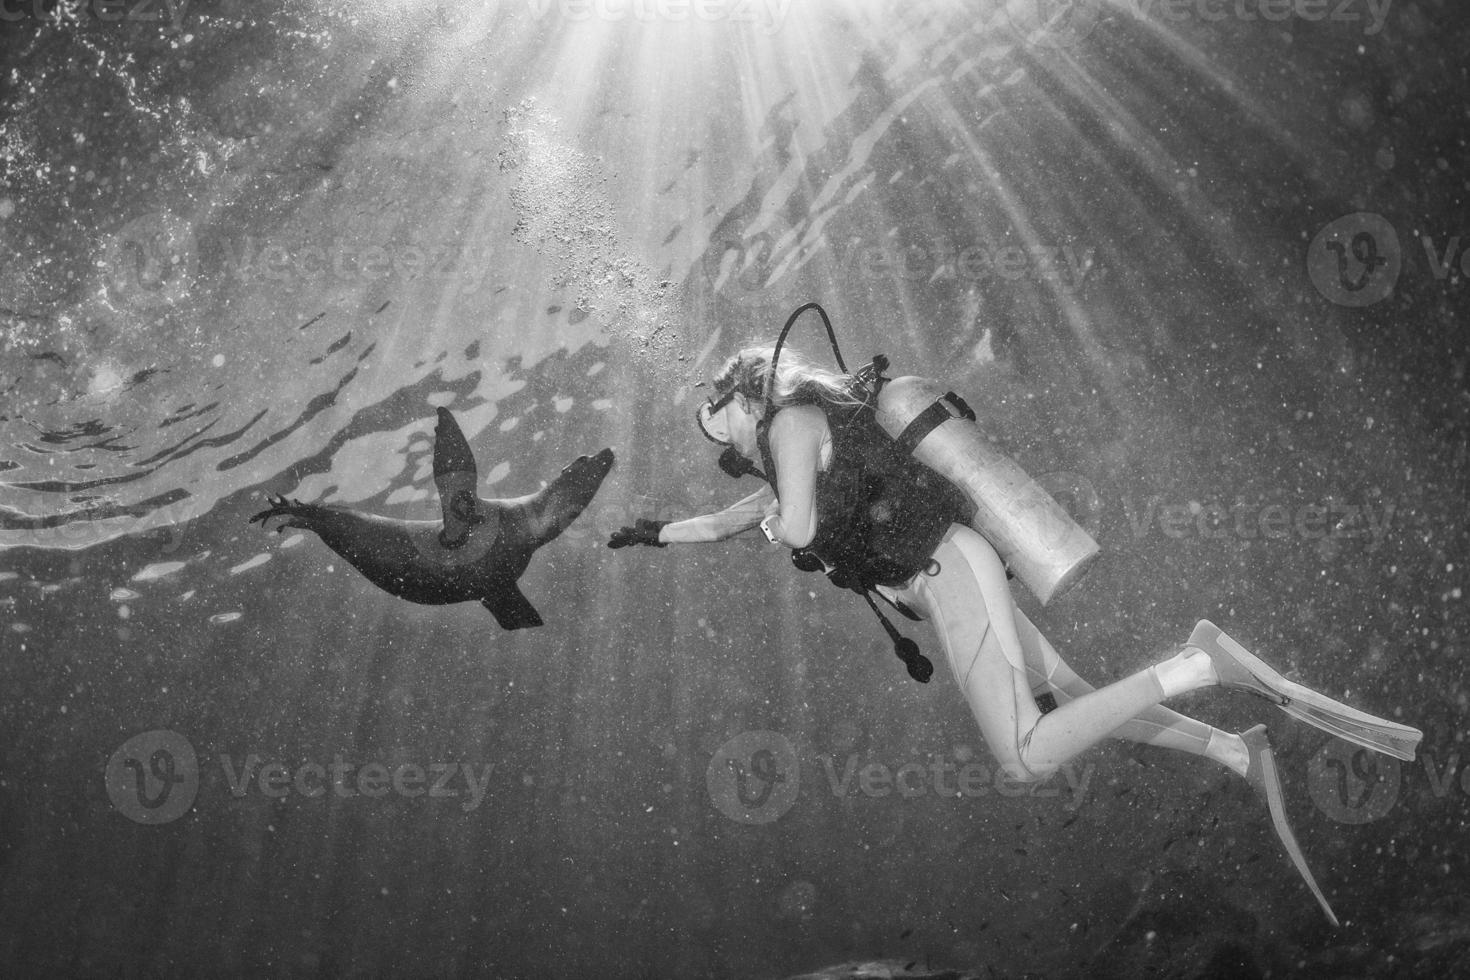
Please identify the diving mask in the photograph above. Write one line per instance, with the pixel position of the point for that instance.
(714, 421)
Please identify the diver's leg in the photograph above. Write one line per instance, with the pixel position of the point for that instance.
(970, 615)
(980, 635)
(1154, 726)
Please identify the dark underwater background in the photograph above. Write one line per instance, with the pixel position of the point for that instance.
(247, 248)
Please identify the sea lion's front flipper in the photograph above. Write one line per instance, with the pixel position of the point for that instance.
(456, 480)
(559, 502)
(511, 609)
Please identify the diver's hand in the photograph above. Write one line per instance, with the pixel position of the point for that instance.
(643, 531)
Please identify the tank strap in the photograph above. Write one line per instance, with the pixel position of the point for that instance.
(947, 406)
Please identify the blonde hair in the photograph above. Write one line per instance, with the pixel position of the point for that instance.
(798, 380)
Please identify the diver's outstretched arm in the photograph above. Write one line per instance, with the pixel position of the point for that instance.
(736, 519)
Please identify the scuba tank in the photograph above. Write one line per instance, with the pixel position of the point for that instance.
(1032, 533)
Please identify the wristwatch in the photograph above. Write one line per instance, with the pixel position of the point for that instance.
(766, 530)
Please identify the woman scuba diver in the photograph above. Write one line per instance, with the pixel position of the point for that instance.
(843, 493)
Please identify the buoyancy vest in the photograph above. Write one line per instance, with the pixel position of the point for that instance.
(880, 513)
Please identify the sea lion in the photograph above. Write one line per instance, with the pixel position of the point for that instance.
(475, 552)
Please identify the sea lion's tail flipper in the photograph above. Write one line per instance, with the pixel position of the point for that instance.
(456, 480)
(511, 609)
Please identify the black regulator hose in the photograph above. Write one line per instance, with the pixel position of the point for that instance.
(781, 343)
